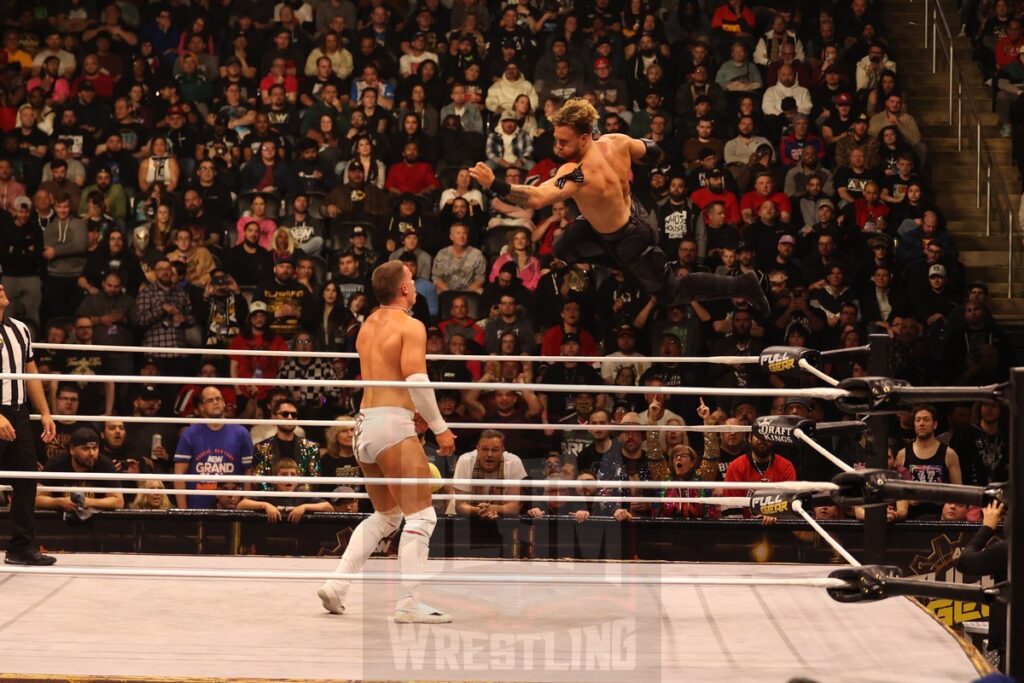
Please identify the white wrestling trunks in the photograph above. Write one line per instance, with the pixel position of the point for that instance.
(380, 428)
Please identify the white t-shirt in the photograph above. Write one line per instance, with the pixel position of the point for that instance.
(513, 468)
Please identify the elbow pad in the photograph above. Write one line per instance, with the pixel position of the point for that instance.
(426, 404)
(652, 152)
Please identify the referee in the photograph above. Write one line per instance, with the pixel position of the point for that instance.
(17, 446)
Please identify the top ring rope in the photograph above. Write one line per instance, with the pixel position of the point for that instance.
(527, 426)
(181, 351)
(823, 394)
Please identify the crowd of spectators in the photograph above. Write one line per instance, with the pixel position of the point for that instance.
(226, 175)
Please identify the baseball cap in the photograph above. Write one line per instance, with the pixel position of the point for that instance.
(861, 117)
(602, 61)
(419, 34)
(508, 115)
(83, 436)
(570, 337)
(843, 99)
(825, 202)
(706, 152)
(405, 234)
(87, 85)
(257, 307)
(284, 258)
(358, 231)
(625, 329)
(715, 173)
(176, 110)
(148, 392)
(743, 245)
(233, 61)
(788, 104)
(434, 331)
(787, 239)
(834, 69)
(937, 269)
(799, 400)
(23, 203)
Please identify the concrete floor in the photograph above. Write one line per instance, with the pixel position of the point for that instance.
(182, 628)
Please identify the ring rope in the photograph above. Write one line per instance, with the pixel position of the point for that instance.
(821, 393)
(804, 364)
(798, 507)
(490, 579)
(724, 501)
(182, 351)
(527, 426)
(790, 486)
(827, 454)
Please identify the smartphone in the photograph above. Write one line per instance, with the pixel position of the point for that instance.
(157, 442)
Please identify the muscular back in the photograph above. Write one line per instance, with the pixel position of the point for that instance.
(604, 196)
(391, 346)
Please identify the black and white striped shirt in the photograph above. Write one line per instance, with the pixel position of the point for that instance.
(15, 355)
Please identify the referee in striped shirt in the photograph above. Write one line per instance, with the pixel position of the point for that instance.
(17, 445)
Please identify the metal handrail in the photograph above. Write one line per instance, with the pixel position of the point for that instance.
(988, 174)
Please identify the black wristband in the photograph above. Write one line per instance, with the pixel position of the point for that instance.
(500, 188)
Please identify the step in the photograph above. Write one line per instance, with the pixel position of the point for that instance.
(940, 116)
(998, 257)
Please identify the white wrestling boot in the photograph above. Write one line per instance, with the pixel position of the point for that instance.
(412, 611)
(330, 599)
(361, 545)
(413, 550)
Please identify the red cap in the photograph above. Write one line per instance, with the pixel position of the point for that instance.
(601, 61)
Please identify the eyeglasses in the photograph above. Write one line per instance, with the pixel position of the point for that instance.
(303, 342)
(287, 413)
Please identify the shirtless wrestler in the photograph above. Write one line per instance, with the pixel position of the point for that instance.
(392, 346)
(612, 226)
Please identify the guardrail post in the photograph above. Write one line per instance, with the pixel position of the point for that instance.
(1009, 251)
(959, 115)
(935, 40)
(988, 201)
(926, 36)
(977, 150)
(951, 80)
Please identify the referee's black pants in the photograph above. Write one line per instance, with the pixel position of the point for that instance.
(20, 455)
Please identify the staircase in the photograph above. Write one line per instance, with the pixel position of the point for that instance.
(953, 173)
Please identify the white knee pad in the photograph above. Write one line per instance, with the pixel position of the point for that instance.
(385, 523)
(421, 524)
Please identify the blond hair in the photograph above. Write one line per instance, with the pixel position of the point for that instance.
(141, 501)
(387, 279)
(578, 114)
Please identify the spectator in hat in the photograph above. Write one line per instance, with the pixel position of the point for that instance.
(410, 244)
(290, 305)
(858, 138)
(409, 63)
(255, 335)
(835, 124)
(611, 93)
(933, 305)
(508, 145)
(83, 458)
(559, 404)
(625, 347)
(799, 176)
(503, 93)
(652, 99)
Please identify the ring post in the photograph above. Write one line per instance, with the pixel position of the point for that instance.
(1015, 531)
(874, 517)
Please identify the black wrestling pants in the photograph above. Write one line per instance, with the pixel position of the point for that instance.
(633, 249)
(20, 455)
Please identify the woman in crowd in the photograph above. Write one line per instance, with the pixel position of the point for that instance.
(374, 170)
(151, 501)
(337, 326)
(159, 167)
(257, 214)
(519, 250)
(463, 188)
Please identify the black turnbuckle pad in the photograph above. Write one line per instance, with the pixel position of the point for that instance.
(864, 584)
(865, 488)
(872, 395)
(781, 428)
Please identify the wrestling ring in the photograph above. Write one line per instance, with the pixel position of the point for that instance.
(100, 617)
